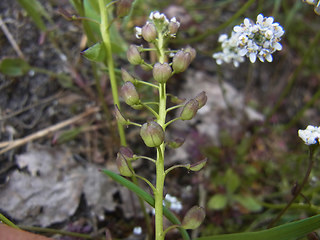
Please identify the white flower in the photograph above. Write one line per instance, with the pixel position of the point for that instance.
(173, 202)
(310, 135)
(138, 32)
(137, 230)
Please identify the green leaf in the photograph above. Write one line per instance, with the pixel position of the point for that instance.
(14, 67)
(248, 202)
(95, 53)
(289, 231)
(36, 11)
(232, 181)
(217, 202)
(146, 197)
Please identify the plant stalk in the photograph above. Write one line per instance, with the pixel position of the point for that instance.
(105, 34)
(297, 193)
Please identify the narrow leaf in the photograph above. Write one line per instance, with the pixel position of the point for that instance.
(289, 231)
(35, 11)
(14, 67)
(146, 197)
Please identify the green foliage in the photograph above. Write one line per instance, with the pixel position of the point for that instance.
(289, 231)
(36, 11)
(146, 197)
(14, 67)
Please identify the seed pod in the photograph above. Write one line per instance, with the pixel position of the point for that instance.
(133, 55)
(130, 94)
(189, 110)
(161, 72)
(181, 61)
(193, 218)
(118, 115)
(126, 77)
(202, 99)
(192, 52)
(149, 32)
(123, 7)
(123, 166)
(152, 134)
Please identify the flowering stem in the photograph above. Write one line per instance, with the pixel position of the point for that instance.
(160, 174)
(109, 62)
(300, 187)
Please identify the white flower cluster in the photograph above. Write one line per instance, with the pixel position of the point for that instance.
(311, 135)
(254, 40)
(162, 23)
(173, 202)
(315, 3)
(230, 50)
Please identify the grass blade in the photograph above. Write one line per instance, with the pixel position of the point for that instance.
(289, 231)
(146, 197)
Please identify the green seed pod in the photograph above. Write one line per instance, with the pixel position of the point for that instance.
(149, 32)
(202, 99)
(181, 61)
(152, 134)
(198, 165)
(123, 166)
(176, 143)
(161, 72)
(127, 153)
(130, 94)
(126, 77)
(123, 7)
(119, 116)
(192, 52)
(189, 110)
(193, 218)
(133, 55)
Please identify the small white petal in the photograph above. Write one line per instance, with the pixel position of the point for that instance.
(269, 57)
(252, 57)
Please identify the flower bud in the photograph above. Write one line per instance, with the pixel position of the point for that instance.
(202, 99)
(192, 52)
(127, 153)
(181, 61)
(176, 143)
(173, 27)
(119, 116)
(152, 134)
(149, 32)
(189, 110)
(123, 7)
(123, 166)
(130, 94)
(162, 72)
(133, 55)
(126, 77)
(193, 218)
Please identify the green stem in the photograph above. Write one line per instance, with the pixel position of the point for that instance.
(150, 109)
(109, 62)
(147, 158)
(56, 231)
(146, 83)
(174, 107)
(176, 166)
(7, 221)
(171, 121)
(104, 29)
(297, 193)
